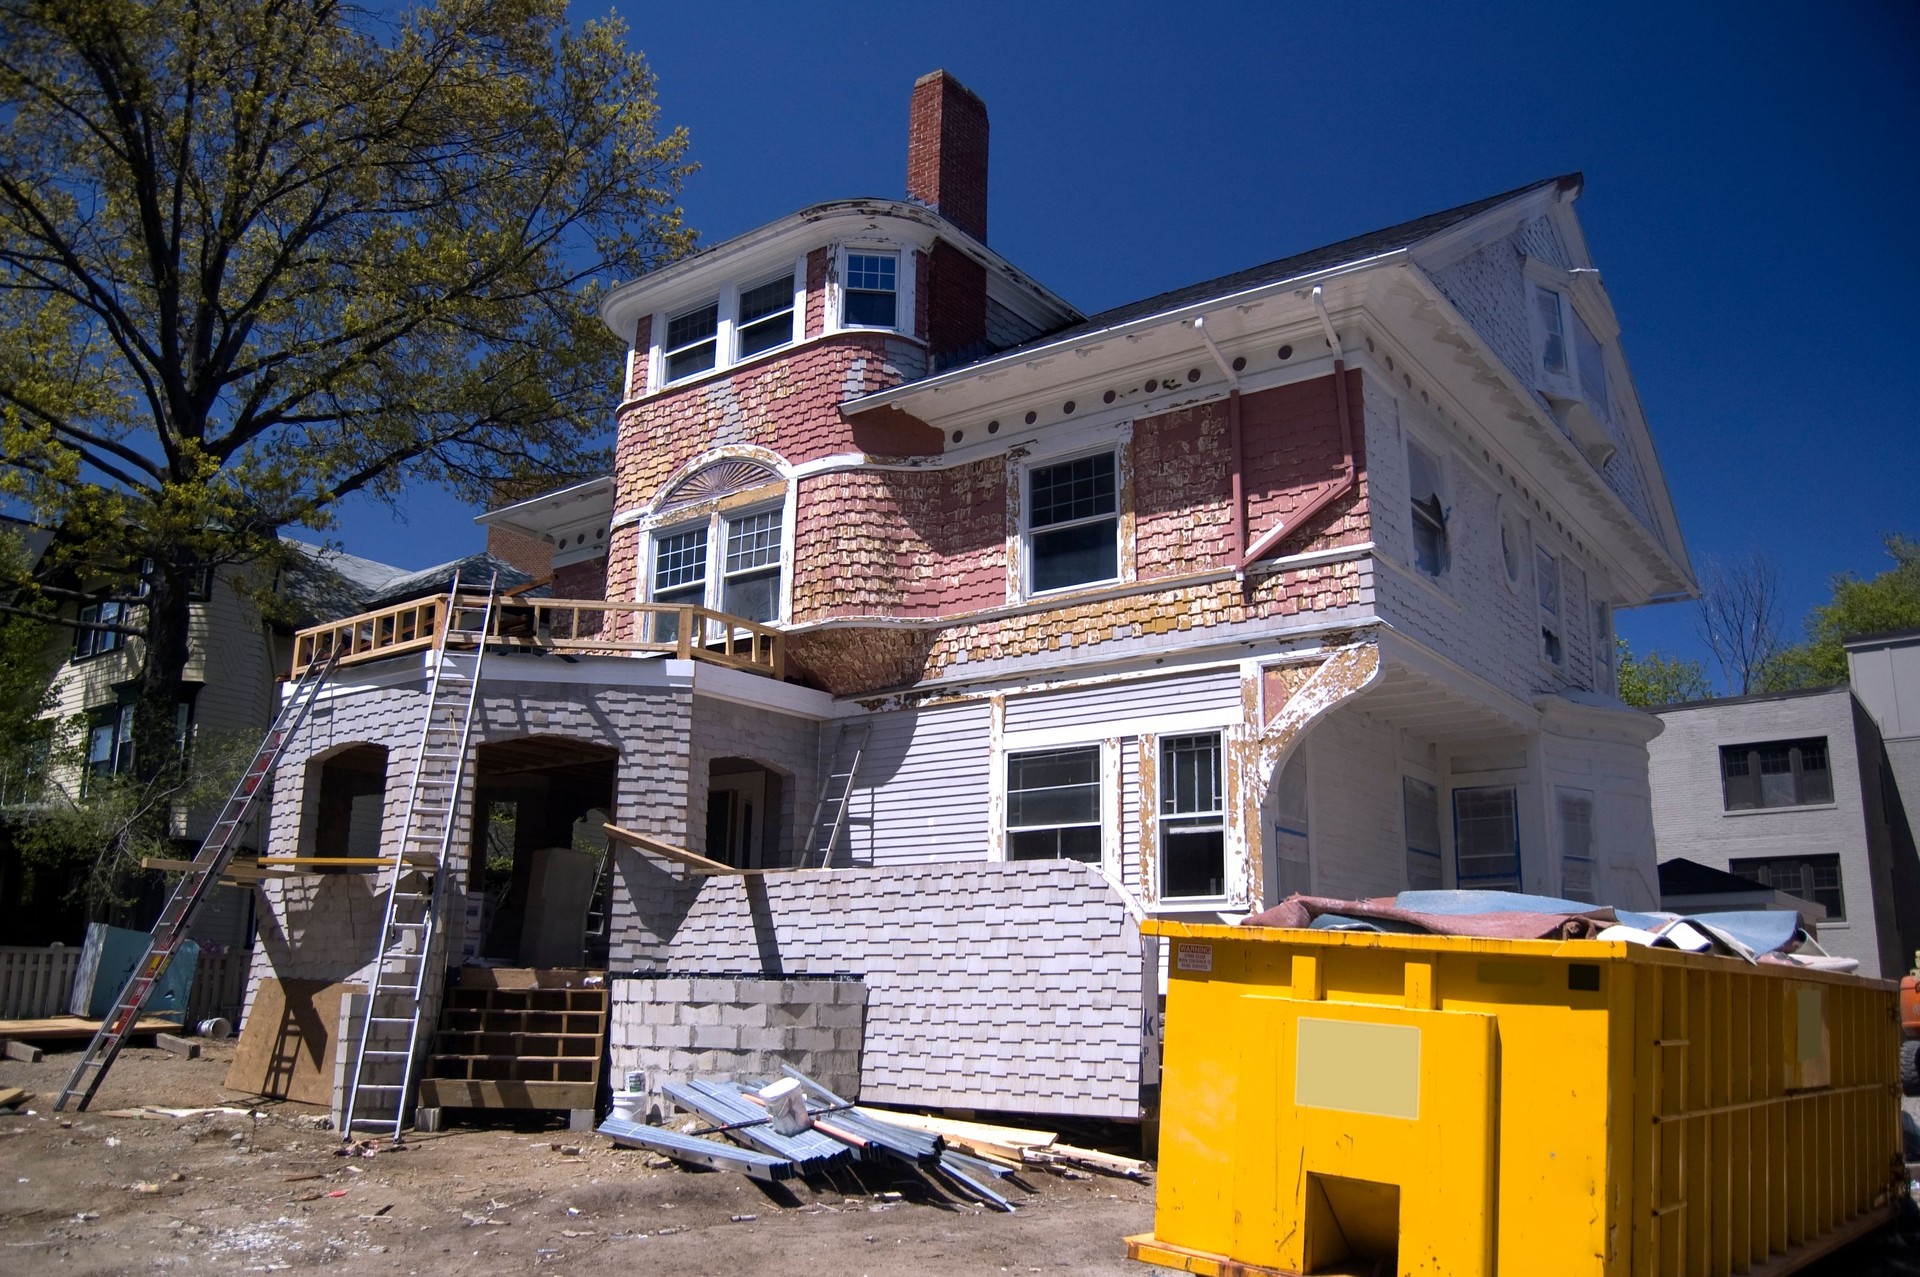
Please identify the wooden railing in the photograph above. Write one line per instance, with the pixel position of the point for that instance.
(587, 626)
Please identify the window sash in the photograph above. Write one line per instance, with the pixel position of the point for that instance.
(1486, 837)
(766, 317)
(872, 290)
(1073, 523)
(1575, 810)
(1553, 351)
(679, 561)
(1592, 364)
(1768, 774)
(1815, 878)
(1054, 808)
(1420, 810)
(1078, 491)
(693, 339)
(1192, 818)
(753, 541)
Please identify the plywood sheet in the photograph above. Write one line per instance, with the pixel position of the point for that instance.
(286, 1047)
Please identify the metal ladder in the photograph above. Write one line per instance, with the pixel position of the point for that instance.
(195, 885)
(416, 873)
(836, 788)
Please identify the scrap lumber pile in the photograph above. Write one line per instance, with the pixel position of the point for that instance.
(772, 1135)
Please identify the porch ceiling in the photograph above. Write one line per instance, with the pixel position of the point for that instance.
(1432, 709)
(496, 760)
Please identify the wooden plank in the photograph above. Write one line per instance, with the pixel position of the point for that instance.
(286, 1046)
(346, 862)
(14, 1096)
(955, 1129)
(534, 978)
(22, 1052)
(1093, 1158)
(73, 1026)
(506, 1093)
(177, 1045)
(238, 873)
(679, 855)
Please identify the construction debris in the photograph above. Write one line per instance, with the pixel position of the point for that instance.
(14, 1097)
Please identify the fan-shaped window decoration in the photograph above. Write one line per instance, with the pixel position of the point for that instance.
(721, 479)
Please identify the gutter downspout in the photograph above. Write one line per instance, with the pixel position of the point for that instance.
(1336, 488)
(1233, 443)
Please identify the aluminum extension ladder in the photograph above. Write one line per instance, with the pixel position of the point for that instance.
(195, 885)
(836, 793)
(416, 873)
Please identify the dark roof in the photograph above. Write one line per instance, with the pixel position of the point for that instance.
(1405, 235)
(328, 583)
(475, 570)
(1683, 877)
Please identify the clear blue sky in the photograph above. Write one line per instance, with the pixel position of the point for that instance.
(1750, 196)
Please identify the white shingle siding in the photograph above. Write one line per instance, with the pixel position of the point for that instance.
(1489, 288)
(1353, 808)
(1011, 986)
(1691, 819)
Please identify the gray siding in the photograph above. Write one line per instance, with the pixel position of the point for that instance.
(1091, 707)
(921, 793)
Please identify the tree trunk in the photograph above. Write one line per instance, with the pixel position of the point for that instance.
(156, 743)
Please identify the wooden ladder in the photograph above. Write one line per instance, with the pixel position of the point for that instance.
(195, 885)
(836, 793)
(389, 1036)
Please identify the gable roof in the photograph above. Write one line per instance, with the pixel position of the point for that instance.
(328, 583)
(1372, 244)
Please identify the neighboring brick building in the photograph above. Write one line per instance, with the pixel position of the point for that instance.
(1794, 791)
(1298, 579)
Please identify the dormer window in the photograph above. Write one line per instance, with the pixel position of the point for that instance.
(1592, 363)
(766, 317)
(872, 292)
(693, 339)
(1551, 305)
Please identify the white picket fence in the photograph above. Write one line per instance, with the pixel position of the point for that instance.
(37, 983)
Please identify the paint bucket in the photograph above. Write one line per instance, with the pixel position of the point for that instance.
(636, 1080)
(786, 1107)
(630, 1106)
(217, 1029)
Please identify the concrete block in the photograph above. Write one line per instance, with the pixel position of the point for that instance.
(715, 1038)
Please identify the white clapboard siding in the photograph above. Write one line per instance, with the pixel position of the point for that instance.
(1132, 701)
(921, 795)
(36, 982)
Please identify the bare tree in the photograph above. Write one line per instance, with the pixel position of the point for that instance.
(1740, 618)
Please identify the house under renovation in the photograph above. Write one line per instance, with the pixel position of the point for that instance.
(930, 634)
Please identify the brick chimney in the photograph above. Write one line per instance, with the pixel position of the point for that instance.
(947, 151)
(947, 171)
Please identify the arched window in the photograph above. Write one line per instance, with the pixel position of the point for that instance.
(719, 540)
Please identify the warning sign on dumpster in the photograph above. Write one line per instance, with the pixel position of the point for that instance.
(1193, 957)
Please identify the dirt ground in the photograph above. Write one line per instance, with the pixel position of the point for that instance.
(88, 1193)
(264, 1192)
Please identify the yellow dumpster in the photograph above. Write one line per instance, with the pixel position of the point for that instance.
(1462, 1107)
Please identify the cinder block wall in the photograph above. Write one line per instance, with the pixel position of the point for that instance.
(1015, 986)
(738, 1027)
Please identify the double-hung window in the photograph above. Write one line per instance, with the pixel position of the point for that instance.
(1551, 307)
(1429, 511)
(1815, 878)
(1546, 579)
(693, 341)
(1420, 809)
(1193, 818)
(751, 586)
(1591, 365)
(729, 562)
(679, 575)
(1575, 809)
(1486, 838)
(1053, 805)
(1073, 523)
(97, 642)
(872, 291)
(765, 318)
(1778, 773)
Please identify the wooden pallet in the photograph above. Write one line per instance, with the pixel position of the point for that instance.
(518, 1039)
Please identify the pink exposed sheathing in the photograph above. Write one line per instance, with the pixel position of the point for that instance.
(1300, 911)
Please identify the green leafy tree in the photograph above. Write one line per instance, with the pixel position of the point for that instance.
(1889, 601)
(1659, 679)
(257, 256)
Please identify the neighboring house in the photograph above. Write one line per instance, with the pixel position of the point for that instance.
(1300, 579)
(1884, 671)
(1789, 791)
(236, 660)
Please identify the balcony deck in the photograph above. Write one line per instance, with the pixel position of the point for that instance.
(584, 627)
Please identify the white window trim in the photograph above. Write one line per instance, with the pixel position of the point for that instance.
(796, 317)
(904, 301)
(1108, 772)
(1441, 458)
(1555, 621)
(1232, 856)
(726, 352)
(1606, 653)
(1024, 477)
(714, 582)
(1545, 275)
